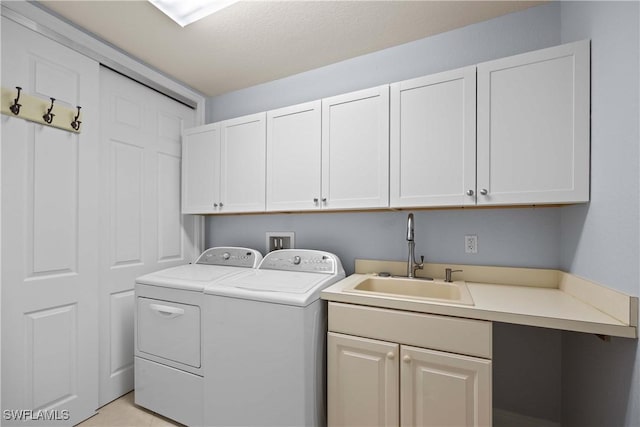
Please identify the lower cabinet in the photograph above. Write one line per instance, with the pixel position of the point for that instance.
(374, 382)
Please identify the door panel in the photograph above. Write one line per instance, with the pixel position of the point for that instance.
(49, 233)
(355, 149)
(433, 140)
(142, 229)
(444, 389)
(362, 382)
(52, 200)
(293, 157)
(126, 168)
(243, 164)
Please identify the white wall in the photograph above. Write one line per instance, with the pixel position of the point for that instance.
(600, 241)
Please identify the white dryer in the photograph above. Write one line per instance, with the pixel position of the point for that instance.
(168, 331)
(265, 342)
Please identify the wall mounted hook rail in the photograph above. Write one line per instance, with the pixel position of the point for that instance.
(75, 124)
(31, 108)
(48, 116)
(15, 107)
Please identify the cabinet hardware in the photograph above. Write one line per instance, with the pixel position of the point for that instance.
(484, 192)
(406, 358)
(390, 355)
(469, 192)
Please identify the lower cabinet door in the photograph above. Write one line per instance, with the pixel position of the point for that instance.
(444, 389)
(362, 382)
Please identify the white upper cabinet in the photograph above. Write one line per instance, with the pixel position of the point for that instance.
(533, 127)
(514, 131)
(223, 166)
(242, 164)
(433, 140)
(294, 157)
(355, 150)
(201, 169)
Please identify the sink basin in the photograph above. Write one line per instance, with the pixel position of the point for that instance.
(452, 293)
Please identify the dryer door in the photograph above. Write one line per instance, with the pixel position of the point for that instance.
(169, 330)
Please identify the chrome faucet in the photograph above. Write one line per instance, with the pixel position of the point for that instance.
(412, 264)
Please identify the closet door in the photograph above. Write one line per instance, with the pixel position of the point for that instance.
(49, 235)
(141, 225)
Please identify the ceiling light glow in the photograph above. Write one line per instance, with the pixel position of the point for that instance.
(185, 12)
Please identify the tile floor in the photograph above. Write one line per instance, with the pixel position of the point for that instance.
(123, 412)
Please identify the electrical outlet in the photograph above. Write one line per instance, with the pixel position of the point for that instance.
(280, 240)
(471, 244)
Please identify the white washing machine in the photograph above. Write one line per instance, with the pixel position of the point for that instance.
(168, 331)
(265, 342)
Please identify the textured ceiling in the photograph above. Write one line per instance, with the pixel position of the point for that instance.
(253, 42)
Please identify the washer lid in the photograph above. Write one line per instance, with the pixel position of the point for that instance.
(213, 264)
(281, 287)
(191, 276)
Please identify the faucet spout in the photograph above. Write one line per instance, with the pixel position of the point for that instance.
(412, 264)
(410, 228)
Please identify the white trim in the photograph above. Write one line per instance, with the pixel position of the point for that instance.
(45, 23)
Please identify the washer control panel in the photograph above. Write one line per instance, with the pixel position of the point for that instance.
(231, 256)
(303, 260)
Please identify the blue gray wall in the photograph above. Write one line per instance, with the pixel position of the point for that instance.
(598, 241)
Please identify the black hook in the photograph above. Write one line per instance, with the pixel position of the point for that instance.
(75, 124)
(15, 107)
(48, 116)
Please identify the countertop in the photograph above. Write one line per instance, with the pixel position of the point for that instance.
(559, 301)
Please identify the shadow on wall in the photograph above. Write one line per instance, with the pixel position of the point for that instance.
(572, 220)
(598, 375)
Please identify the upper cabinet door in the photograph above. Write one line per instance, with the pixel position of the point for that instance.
(433, 140)
(355, 150)
(242, 164)
(201, 169)
(533, 127)
(293, 157)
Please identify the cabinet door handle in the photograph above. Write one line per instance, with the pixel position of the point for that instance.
(215, 205)
(406, 358)
(221, 205)
(315, 200)
(324, 200)
(484, 192)
(390, 355)
(469, 192)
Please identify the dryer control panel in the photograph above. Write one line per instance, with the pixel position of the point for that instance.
(303, 260)
(230, 256)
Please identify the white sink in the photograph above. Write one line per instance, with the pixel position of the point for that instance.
(414, 289)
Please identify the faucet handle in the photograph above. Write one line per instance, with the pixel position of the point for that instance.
(447, 274)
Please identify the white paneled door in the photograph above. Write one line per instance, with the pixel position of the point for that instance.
(141, 226)
(49, 237)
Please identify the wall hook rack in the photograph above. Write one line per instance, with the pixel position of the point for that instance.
(75, 124)
(31, 108)
(48, 116)
(15, 107)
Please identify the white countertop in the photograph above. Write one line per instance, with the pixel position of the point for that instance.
(549, 307)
